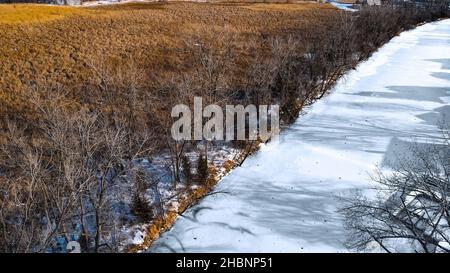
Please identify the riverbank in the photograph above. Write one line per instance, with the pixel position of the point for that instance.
(87, 100)
(284, 199)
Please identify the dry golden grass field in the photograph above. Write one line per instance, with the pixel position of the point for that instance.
(47, 45)
(29, 13)
(87, 92)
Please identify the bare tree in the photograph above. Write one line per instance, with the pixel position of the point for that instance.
(412, 209)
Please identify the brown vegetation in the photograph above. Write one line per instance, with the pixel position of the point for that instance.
(31, 13)
(85, 97)
(70, 50)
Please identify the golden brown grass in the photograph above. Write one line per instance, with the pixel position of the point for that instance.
(280, 7)
(29, 13)
(63, 51)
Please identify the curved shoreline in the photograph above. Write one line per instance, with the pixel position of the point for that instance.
(197, 229)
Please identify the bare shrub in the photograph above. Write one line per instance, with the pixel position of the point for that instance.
(411, 212)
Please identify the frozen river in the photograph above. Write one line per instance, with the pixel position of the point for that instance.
(283, 199)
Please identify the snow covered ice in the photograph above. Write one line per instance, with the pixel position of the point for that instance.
(343, 6)
(283, 199)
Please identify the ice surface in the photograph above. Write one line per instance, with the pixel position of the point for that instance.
(343, 6)
(283, 198)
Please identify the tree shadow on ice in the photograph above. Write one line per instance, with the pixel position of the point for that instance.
(417, 93)
(362, 133)
(445, 63)
(400, 151)
(297, 213)
(441, 75)
(439, 117)
(337, 132)
(173, 241)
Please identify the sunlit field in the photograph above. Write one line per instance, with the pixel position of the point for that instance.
(28, 13)
(60, 44)
(88, 138)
